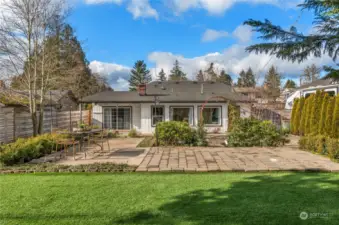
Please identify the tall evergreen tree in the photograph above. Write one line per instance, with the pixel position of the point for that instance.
(177, 73)
(250, 78)
(200, 76)
(139, 75)
(162, 75)
(299, 114)
(329, 115)
(335, 120)
(211, 75)
(296, 46)
(293, 116)
(302, 126)
(321, 129)
(241, 79)
(290, 84)
(315, 112)
(225, 78)
(308, 115)
(272, 83)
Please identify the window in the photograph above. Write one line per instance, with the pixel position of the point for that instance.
(184, 114)
(118, 118)
(211, 115)
(330, 93)
(158, 114)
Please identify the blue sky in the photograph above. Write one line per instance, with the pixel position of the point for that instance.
(116, 33)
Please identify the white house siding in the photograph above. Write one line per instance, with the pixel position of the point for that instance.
(146, 121)
(141, 115)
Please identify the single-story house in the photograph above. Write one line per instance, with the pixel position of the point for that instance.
(330, 86)
(164, 101)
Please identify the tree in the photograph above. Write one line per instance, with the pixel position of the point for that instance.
(293, 116)
(272, 83)
(211, 75)
(225, 78)
(176, 73)
(139, 75)
(29, 49)
(200, 76)
(311, 73)
(241, 79)
(315, 112)
(290, 84)
(307, 128)
(335, 120)
(329, 116)
(249, 81)
(303, 120)
(295, 46)
(321, 129)
(298, 116)
(162, 75)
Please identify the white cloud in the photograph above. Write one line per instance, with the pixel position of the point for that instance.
(103, 1)
(212, 35)
(243, 33)
(218, 7)
(142, 9)
(117, 75)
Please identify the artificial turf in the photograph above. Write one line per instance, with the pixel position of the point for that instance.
(220, 198)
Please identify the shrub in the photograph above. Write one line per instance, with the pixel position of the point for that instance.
(201, 134)
(315, 112)
(329, 116)
(332, 145)
(335, 119)
(233, 115)
(293, 116)
(24, 150)
(298, 115)
(307, 128)
(112, 134)
(133, 133)
(176, 133)
(321, 129)
(250, 132)
(303, 118)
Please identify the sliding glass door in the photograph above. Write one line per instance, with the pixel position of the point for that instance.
(117, 118)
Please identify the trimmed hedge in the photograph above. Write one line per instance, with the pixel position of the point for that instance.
(24, 150)
(249, 132)
(320, 144)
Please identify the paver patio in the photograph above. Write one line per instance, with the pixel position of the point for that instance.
(199, 159)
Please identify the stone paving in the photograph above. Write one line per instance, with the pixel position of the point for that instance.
(199, 159)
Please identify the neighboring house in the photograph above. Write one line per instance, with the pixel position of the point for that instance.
(176, 100)
(255, 94)
(328, 85)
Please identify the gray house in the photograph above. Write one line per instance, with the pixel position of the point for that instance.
(164, 101)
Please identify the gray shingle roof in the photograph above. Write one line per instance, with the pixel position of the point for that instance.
(182, 91)
(321, 82)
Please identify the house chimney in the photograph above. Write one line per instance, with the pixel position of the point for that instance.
(202, 89)
(142, 89)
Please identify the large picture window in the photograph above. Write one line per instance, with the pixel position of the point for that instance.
(117, 118)
(211, 115)
(183, 114)
(158, 114)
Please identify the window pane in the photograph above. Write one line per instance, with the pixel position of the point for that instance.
(107, 118)
(158, 111)
(211, 116)
(156, 119)
(181, 114)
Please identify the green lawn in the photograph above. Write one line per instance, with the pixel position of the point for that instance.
(220, 198)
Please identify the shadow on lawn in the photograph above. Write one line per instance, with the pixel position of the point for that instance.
(257, 200)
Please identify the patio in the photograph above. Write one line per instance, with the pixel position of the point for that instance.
(197, 159)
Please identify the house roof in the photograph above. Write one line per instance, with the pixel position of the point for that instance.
(248, 89)
(170, 91)
(321, 82)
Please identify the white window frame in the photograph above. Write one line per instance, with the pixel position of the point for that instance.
(190, 116)
(211, 107)
(158, 116)
(110, 109)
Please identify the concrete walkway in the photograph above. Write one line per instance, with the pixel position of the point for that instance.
(197, 159)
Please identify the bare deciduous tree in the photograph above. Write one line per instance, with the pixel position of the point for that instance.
(26, 49)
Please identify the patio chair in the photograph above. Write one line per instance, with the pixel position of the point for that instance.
(100, 139)
(66, 142)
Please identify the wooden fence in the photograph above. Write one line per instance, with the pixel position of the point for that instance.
(263, 113)
(16, 122)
